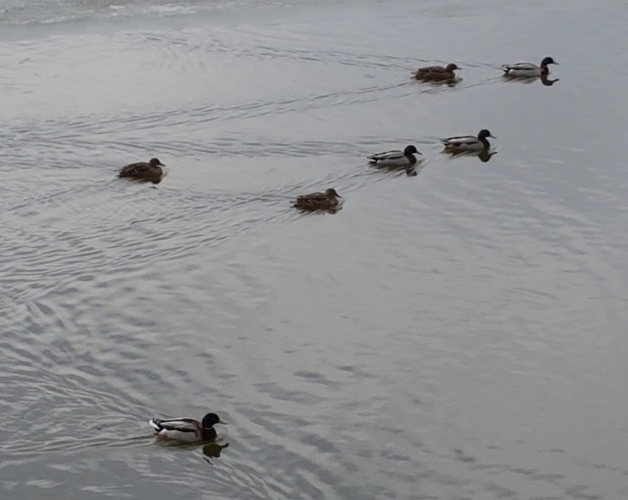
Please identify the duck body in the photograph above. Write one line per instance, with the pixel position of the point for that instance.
(528, 69)
(395, 158)
(153, 171)
(436, 73)
(318, 201)
(468, 143)
(186, 430)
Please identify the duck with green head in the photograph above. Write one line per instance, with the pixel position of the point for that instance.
(468, 143)
(186, 430)
(397, 159)
(528, 69)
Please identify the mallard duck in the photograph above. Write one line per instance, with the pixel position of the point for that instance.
(528, 69)
(186, 430)
(153, 171)
(397, 159)
(436, 73)
(468, 142)
(318, 201)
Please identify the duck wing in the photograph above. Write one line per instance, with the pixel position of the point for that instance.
(519, 67)
(311, 198)
(432, 69)
(434, 73)
(135, 169)
(387, 155)
(183, 425)
(459, 141)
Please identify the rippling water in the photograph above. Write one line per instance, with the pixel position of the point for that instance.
(456, 335)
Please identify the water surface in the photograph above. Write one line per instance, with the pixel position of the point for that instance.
(455, 335)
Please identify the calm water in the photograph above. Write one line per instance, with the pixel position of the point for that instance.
(458, 335)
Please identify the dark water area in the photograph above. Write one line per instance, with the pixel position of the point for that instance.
(459, 335)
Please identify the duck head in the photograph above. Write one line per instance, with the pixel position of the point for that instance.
(331, 193)
(154, 162)
(548, 60)
(410, 150)
(210, 420)
(450, 67)
(484, 134)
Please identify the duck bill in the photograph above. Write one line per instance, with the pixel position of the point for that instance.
(492, 136)
(220, 421)
(556, 63)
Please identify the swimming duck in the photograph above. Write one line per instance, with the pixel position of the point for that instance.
(153, 171)
(318, 201)
(186, 430)
(436, 73)
(396, 159)
(468, 142)
(528, 69)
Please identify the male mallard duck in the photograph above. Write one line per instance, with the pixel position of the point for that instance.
(468, 142)
(153, 171)
(528, 69)
(397, 159)
(186, 430)
(436, 73)
(318, 201)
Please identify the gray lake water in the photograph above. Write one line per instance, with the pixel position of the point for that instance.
(458, 335)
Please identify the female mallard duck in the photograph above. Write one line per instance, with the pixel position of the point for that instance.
(153, 171)
(436, 73)
(318, 201)
(396, 159)
(468, 142)
(528, 69)
(186, 430)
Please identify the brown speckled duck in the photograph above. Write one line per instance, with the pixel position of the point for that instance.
(436, 73)
(186, 430)
(153, 171)
(318, 201)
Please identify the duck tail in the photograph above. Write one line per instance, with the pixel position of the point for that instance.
(155, 424)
